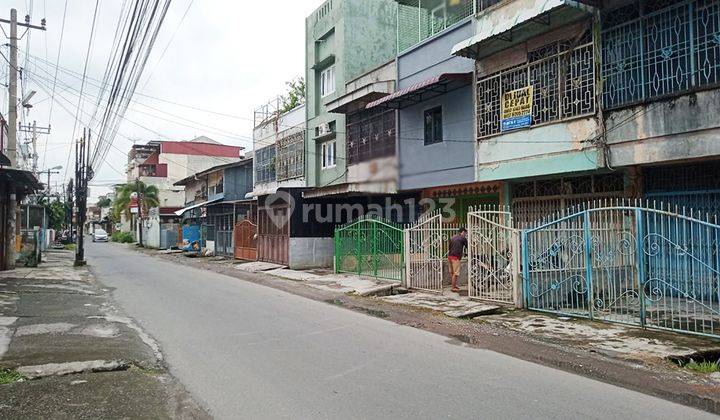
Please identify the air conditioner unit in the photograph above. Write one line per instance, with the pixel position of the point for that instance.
(323, 129)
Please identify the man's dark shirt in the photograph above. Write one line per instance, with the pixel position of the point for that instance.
(458, 243)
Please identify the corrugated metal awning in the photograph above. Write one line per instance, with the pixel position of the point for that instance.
(194, 206)
(516, 22)
(19, 181)
(359, 98)
(353, 188)
(427, 89)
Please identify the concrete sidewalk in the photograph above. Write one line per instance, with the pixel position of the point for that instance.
(78, 354)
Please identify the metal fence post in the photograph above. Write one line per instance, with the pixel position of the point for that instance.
(374, 249)
(336, 260)
(526, 268)
(640, 261)
(358, 246)
(588, 262)
(516, 266)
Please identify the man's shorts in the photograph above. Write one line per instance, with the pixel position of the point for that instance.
(454, 265)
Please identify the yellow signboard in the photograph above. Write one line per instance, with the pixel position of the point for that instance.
(516, 108)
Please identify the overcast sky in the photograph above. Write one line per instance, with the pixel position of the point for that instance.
(227, 56)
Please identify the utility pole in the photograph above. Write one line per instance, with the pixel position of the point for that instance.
(12, 83)
(12, 210)
(83, 173)
(70, 205)
(33, 129)
(139, 204)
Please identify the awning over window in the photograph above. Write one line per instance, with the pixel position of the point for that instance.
(423, 91)
(18, 182)
(517, 22)
(194, 206)
(359, 98)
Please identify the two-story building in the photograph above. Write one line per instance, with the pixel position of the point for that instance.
(162, 163)
(579, 101)
(216, 200)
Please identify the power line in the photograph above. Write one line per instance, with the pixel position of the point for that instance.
(172, 38)
(82, 85)
(73, 73)
(52, 102)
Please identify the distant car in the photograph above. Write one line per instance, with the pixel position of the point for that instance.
(99, 236)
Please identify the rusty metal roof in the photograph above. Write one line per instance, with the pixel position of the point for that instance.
(420, 92)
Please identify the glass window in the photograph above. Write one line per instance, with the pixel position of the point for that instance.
(433, 126)
(327, 81)
(328, 154)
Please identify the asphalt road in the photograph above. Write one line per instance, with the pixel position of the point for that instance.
(249, 351)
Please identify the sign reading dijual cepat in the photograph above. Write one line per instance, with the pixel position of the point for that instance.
(516, 110)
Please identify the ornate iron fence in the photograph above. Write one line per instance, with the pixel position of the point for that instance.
(426, 244)
(370, 247)
(633, 264)
(493, 251)
(657, 48)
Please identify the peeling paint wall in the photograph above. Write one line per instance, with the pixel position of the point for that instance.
(686, 127)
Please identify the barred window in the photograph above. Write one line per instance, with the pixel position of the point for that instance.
(658, 48)
(265, 164)
(562, 75)
(291, 156)
(370, 135)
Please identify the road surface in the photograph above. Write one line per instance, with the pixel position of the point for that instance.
(249, 351)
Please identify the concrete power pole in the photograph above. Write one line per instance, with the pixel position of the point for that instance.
(34, 130)
(12, 92)
(9, 240)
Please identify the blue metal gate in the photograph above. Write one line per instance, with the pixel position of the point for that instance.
(632, 264)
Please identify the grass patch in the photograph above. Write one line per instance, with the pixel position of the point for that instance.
(702, 367)
(702, 362)
(70, 247)
(9, 376)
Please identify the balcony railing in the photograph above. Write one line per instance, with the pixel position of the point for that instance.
(418, 20)
(655, 48)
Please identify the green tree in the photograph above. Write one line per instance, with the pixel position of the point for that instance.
(104, 202)
(56, 212)
(294, 96)
(148, 197)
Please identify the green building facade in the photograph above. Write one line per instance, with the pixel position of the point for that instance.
(344, 40)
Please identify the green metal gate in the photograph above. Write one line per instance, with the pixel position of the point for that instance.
(370, 247)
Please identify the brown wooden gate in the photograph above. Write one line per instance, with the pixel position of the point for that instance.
(273, 234)
(245, 240)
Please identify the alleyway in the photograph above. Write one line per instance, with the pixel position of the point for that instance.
(250, 351)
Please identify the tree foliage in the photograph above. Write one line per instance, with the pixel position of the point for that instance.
(104, 202)
(149, 197)
(56, 212)
(294, 96)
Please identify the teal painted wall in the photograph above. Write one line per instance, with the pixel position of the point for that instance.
(356, 36)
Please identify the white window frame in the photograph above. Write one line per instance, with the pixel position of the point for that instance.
(327, 81)
(328, 152)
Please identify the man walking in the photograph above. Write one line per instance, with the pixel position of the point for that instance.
(458, 244)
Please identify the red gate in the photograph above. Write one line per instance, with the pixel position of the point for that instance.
(274, 234)
(245, 240)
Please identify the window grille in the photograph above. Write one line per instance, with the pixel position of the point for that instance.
(291, 156)
(534, 200)
(658, 48)
(265, 164)
(370, 135)
(563, 80)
